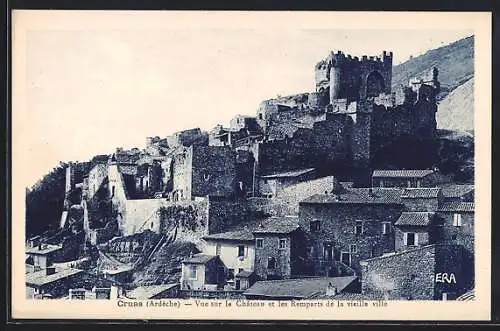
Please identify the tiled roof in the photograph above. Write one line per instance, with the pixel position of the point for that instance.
(199, 258)
(242, 235)
(290, 174)
(41, 278)
(243, 231)
(359, 196)
(402, 173)
(46, 249)
(415, 219)
(298, 288)
(422, 192)
(456, 191)
(147, 292)
(457, 206)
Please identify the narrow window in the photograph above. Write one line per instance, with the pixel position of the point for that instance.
(259, 242)
(282, 244)
(241, 251)
(217, 249)
(192, 272)
(386, 228)
(314, 226)
(230, 274)
(457, 220)
(112, 191)
(241, 270)
(358, 228)
(353, 249)
(410, 239)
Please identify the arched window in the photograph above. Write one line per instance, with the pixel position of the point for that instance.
(374, 84)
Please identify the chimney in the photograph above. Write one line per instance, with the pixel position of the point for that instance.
(50, 271)
(40, 246)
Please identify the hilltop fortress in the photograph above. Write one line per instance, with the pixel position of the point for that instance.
(212, 177)
(276, 205)
(350, 116)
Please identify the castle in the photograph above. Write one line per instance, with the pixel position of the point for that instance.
(266, 198)
(350, 116)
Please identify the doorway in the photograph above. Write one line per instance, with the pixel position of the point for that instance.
(345, 258)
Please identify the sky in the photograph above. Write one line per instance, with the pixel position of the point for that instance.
(90, 91)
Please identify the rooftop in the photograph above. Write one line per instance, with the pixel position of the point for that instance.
(422, 192)
(199, 258)
(148, 292)
(40, 278)
(415, 219)
(456, 190)
(298, 288)
(358, 196)
(457, 206)
(401, 173)
(43, 249)
(289, 174)
(241, 235)
(243, 231)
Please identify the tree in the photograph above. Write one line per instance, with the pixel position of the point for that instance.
(44, 202)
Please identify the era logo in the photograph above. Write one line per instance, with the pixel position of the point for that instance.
(445, 278)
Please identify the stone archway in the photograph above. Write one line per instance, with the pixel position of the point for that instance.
(374, 84)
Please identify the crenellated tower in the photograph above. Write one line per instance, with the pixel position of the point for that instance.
(342, 76)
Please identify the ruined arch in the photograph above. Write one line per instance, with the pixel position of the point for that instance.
(374, 84)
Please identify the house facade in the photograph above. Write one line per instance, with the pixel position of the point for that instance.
(203, 272)
(404, 178)
(343, 229)
(236, 249)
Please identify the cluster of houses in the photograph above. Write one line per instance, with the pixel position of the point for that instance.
(390, 241)
(264, 203)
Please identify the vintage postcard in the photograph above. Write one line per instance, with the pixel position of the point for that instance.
(251, 165)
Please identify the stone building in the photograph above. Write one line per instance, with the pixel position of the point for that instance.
(431, 272)
(456, 224)
(203, 272)
(344, 228)
(413, 229)
(199, 171)
(404, 178)
(236, 249)
(279, 248)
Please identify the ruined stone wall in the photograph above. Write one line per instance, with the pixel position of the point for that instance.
(118, 196)
(223, 213)
(213, 171)
(182, 173)
(142, 214)
(319, 147)
(97, 175)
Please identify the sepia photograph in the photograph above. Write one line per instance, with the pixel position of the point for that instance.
(244, 163)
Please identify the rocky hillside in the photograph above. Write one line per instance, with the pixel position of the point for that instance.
(456, 70)
(456, 111)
